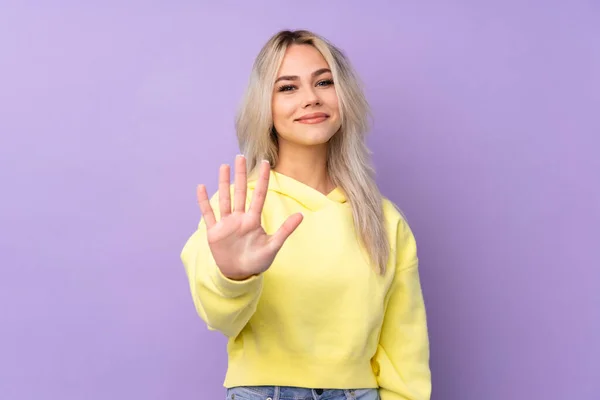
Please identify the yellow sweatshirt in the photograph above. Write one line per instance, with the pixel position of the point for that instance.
(321, 316)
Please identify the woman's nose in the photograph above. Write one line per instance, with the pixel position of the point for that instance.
(311, 99)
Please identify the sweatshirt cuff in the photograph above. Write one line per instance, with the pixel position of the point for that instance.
(233, 288)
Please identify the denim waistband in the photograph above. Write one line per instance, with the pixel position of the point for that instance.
(295, 393)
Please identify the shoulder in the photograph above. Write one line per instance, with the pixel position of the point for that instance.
(401, 235)
(392, 214)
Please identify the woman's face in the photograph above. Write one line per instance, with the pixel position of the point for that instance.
(305, 104)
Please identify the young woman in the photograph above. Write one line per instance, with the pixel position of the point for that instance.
(307, 269)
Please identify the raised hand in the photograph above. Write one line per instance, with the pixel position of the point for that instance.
(239, 244)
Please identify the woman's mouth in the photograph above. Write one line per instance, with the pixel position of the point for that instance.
(314, 118)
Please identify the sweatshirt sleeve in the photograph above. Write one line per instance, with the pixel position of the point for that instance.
(402, 357)
(224, 304)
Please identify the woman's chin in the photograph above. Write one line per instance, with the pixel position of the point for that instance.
(312, 137)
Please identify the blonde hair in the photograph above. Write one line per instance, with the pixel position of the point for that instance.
(348, 158)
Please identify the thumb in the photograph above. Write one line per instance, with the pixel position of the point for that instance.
(285, 230)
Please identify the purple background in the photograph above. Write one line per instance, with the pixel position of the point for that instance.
(484, 134)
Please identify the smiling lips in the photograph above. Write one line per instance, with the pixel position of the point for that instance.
(314, 118)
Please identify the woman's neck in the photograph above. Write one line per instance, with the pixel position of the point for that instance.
(307, 165)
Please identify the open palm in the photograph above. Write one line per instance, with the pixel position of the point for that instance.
(239, 244)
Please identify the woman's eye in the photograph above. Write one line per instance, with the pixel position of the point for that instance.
(286, 88)
(326, 82)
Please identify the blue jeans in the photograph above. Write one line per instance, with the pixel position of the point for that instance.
(294, 393)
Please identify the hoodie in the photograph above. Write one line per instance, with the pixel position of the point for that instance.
(321, 316)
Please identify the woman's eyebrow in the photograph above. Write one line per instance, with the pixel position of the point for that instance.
(295, 77)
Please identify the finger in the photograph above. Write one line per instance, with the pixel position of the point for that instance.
(285, 230)
(205, 208)
(260, 191)
(224, 191)
(241, 183)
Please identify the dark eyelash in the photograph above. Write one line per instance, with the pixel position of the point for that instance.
(285, 88)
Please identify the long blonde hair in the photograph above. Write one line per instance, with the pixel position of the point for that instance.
(348, 160)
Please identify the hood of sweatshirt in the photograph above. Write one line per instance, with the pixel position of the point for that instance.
(309, 197)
